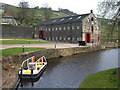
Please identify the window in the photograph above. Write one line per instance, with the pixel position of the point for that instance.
(64, 28)
(70, 18)
(64, 38)
(68, 38)
(78, 39)
(60, 38)
(4, 20)
(68, 27)
(79, 17)
(62, 19)
(95, 28)
(88, 20)
(73, 39)
(98, 28)
(56, 38)
(49, 29)
(73, 27)
(84, 27)
(78, 27)
(59, 28)
(95, 21)
(52, 29)
(46, 29)
(88, 27)
(49, 39)
(35, 28)
(53, 38)
(10, 20)
(56, 28)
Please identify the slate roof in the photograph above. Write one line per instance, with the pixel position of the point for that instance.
(63, 20)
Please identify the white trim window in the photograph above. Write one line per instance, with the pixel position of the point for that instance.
(60, 38)
(68, 27)
(84, 27)
(64, 28)
(56, 28)
(68, 38)
(64, 38)
(78, 27)
(56, 38)
(60, 28)
(73, 39)
(88, 27)
(78, 39)
(49, 38)
(46, 29)
(53, 38)
(73, 27)
(88, 20)
(49, 29)
(95, 28)
(98, 28)
(52, 29)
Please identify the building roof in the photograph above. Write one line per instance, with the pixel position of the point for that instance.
(63, 20)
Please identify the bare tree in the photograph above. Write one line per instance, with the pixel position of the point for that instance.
(23, 4)
(109, 9)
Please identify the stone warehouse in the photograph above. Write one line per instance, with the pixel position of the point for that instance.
(71, 29)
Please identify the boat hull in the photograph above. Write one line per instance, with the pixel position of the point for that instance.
(34, 76)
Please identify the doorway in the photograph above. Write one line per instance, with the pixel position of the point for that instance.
(41, 34)
(88, 37)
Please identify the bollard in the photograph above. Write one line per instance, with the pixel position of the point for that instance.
(55, 45)
(29, 41)
(23, 48)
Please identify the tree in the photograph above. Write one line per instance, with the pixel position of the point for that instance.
(109, 9)
(47, 11)
(23, 4)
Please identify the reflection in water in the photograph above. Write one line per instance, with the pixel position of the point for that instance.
(69, 72)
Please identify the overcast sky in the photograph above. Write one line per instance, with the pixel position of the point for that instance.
(77, 6)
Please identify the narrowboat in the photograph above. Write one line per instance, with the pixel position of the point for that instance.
(31, 68)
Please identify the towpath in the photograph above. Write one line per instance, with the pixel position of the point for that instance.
(47, 46)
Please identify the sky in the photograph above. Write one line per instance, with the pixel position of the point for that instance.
(77, 6)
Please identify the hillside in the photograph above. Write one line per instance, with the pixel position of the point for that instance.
(32, 15)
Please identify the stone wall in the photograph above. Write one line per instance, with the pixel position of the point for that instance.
(17, 31)
(53, 53)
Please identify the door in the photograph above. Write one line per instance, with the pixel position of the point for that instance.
(98, 39)
(88, 38)
(41, 34)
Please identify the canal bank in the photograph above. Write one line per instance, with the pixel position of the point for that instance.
(53, 53)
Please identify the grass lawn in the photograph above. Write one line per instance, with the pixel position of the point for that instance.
(21, 42)
(102, 79)
(13, 51)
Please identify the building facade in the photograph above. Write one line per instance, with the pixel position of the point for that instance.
(72, 29)
(8, 20)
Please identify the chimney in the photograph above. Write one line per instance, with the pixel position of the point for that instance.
(91, 11)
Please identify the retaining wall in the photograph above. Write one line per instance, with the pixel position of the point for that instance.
(17, 31)
(53, 53)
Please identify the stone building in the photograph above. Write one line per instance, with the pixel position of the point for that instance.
(8, 20)
(72, 29)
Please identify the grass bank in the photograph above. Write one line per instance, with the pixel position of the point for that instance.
(13, 51)
(102, 79)
(22, 42)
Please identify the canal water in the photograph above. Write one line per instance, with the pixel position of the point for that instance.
(69, 72)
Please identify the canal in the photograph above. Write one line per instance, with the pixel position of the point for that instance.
(69, 72)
